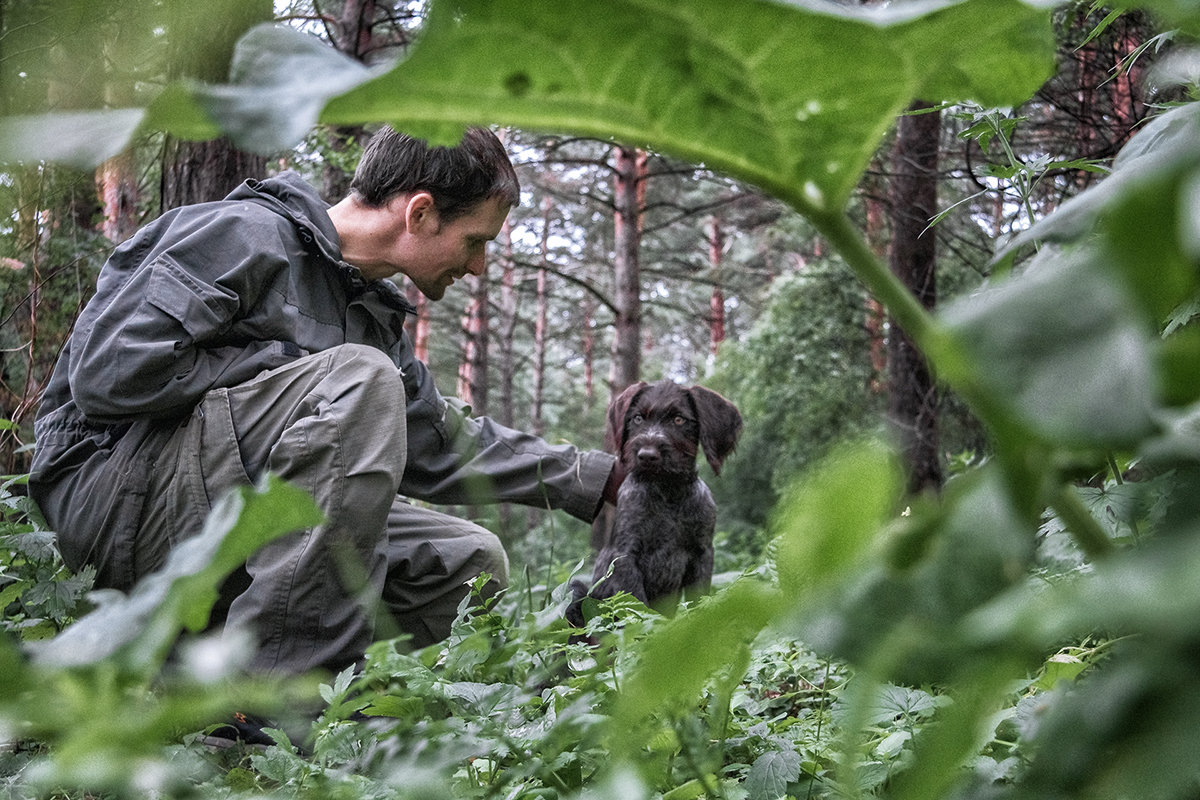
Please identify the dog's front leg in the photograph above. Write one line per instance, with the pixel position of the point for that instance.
(697, 577)
(617, 572)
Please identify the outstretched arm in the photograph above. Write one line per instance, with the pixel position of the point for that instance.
(454, 457)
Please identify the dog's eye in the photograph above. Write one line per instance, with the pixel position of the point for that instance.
(680, 420)
(638, 419)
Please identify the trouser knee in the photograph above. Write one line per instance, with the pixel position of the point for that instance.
(372, 382)
(434, 561)
(349, 398)
(491, 559)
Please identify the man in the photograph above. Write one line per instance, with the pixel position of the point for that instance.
(256, 334)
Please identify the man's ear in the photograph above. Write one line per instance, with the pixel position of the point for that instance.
(420, 213)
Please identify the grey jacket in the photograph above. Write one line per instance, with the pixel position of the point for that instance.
(208, 296)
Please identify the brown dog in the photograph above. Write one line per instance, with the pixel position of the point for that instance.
(662, 532)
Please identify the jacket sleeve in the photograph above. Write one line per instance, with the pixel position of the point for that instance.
(456, 458)
(151, 342)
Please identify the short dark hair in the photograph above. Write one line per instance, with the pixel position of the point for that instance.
(459, 178)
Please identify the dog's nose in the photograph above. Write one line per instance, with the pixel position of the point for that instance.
(648, 456)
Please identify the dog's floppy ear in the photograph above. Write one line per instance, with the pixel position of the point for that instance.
(720, 425)
(614, 431)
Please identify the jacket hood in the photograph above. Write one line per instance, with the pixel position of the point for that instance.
(292, 197)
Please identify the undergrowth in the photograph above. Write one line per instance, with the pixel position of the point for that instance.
(515, 704)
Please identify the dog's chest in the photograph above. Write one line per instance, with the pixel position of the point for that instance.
(653, 519)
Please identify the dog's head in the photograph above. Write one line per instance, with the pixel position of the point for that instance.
(657, 429)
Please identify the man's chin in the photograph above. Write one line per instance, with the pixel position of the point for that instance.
(434, 292)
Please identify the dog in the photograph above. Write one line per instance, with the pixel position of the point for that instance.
(661, 542)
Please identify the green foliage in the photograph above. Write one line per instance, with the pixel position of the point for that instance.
(800, 378)
(1063, 359)
(1021, 176)
(96, 699)
(39, 596)
(687, 82)
(682, 80)
(516, 704)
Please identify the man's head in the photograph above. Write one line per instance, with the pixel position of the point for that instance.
(458, 178)
(427, 212)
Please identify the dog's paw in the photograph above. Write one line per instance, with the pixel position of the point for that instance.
(574, 612)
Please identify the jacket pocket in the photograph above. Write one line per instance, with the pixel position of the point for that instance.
(202, 309)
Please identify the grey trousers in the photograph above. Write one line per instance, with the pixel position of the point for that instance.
(332, 423)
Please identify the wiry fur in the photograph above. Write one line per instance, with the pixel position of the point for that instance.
(662, 532)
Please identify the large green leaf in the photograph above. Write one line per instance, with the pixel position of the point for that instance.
(139, 628)
(901, 615)
(793, 97)
(1064, 348)
(672, 669)
(1072, 343)
(1124, 731)
(827, 525)
(280, 80)
(77, 138)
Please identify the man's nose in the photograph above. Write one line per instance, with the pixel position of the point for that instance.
(478, 264)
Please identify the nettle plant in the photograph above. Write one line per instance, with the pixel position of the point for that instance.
(1064, 357)
(39, 596)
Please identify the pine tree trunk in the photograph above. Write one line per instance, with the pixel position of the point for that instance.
(353, 33)
(117, 183)
(417, 324)
(507, 329)
(913, 401)
(1128, 104)
(473, 371)
(628, 194)
(589, 349)
(716, 304)
(537, 423)
(196, 172)
(1089, 76)
(875, 315)
(335, 181)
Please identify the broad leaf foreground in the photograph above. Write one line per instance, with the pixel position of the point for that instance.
(792, 97)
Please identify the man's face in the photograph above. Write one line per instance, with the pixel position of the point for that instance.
(446, 251)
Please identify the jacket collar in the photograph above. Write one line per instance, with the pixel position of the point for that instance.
(292, 197)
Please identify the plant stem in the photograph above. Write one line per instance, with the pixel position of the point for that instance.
(879, 280)
(939, 347)
(1084, 528)
(1116, 469)
(1024, 188)
(960, 373)
(820, 718)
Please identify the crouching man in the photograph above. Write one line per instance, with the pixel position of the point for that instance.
(257, 334)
